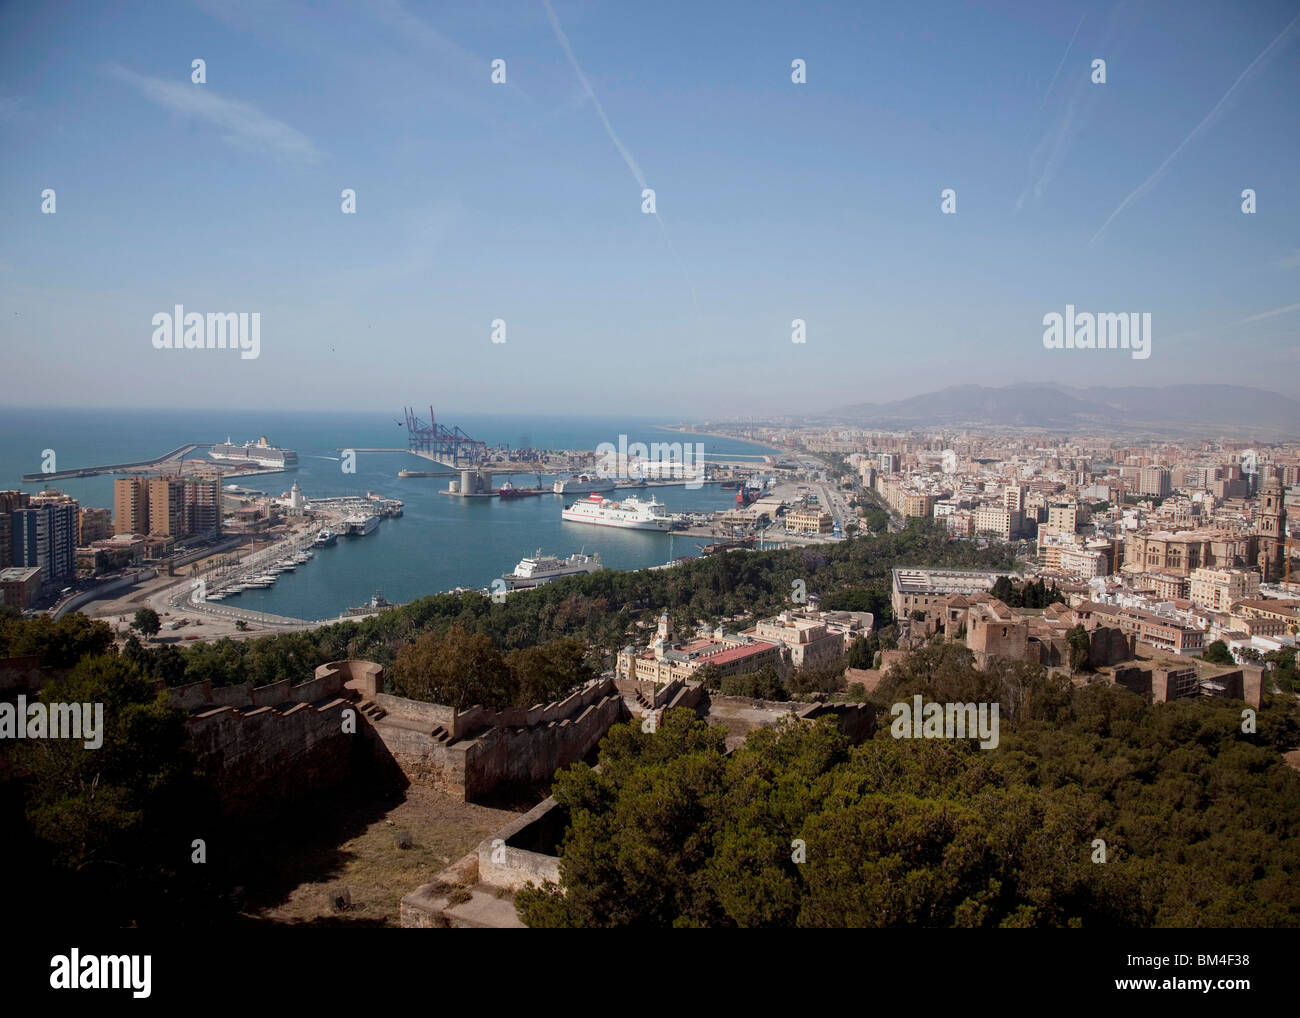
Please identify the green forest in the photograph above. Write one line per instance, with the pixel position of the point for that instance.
(1200, 822)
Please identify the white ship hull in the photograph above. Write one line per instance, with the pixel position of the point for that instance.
(533, 572)
(583, 485)
(630, 514)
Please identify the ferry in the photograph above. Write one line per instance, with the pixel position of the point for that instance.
(583, 482)
(538, 569)
(360, 524)
(325, 538)
(630, 514)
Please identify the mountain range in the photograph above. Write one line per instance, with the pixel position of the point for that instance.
(1207, 411)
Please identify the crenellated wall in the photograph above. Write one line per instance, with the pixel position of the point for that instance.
(259, 755)
(494, 748)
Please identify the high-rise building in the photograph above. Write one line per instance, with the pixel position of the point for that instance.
(131, 505)
(45, 535)
(203, 507)
(9, 502)
(167, 506)
(1154, 481)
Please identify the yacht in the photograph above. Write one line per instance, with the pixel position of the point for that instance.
(325, 538)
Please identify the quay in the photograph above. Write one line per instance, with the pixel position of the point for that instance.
(112, 468)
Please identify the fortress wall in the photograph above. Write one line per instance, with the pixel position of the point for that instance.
(261, 755)
(432, 714)
(533, 755)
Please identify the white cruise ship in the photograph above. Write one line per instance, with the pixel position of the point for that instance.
(539, 569)
(585, 483)
(360, 524)
(630, 514)
(261, 453)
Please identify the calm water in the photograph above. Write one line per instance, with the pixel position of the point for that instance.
(438, 544)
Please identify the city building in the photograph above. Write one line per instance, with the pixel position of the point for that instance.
(45, 535)
(131, 505)
(10, 501)
(1219, 589)
(167, 506)
(918, 589)
(1184, 551)
(1153, 481)
(665, 660)
(20, 586)
(809, 521)
(94, 525)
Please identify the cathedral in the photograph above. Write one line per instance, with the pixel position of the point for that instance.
(1272, 530)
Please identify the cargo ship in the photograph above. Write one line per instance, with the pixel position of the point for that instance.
(508, 490)
(260, 453)
(538, 569)
(630, 514)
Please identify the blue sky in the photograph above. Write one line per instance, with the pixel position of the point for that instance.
(522, 201)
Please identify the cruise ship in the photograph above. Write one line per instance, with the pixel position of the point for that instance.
(260, 453)
(630, 514)
(360, 524)
(538, 569)
(584, 483)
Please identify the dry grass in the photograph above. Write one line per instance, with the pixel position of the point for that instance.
(376, 872)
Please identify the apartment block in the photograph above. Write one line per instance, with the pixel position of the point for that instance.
(131, 505)
(1219, 589)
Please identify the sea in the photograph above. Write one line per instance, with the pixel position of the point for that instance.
(440, 542)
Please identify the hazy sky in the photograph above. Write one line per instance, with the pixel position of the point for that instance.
(522, 201)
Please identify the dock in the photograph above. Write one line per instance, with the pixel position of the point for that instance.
(113, 468)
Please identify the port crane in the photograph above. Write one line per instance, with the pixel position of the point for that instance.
(449, 446)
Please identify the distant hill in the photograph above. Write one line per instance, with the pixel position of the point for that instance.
(1193, 410)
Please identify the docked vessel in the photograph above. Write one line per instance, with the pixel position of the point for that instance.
(583, 483)
(325, 538)
(629, 514)
(538, 569)
(260, 453)
(360, 524)
(377, 603)
(508, 490)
